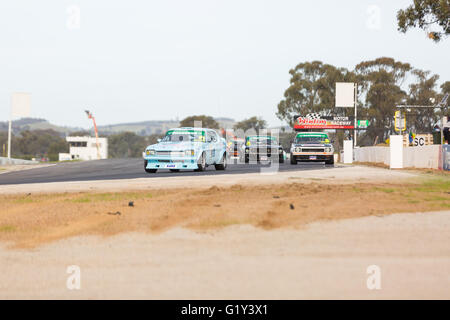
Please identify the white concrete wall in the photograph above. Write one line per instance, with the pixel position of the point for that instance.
(421, 157)
(64, 157)
(372, 154)
(413, 157)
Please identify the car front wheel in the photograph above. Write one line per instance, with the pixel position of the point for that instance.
(293, 159)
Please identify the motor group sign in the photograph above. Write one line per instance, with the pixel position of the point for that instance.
(419, 141)
(314, 121)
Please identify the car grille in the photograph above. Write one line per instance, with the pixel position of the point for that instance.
(263, 150)
(170, 153)
(169, 161)
(312, 150)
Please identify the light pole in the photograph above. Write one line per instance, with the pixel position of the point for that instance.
(90, 116)
(9, 137)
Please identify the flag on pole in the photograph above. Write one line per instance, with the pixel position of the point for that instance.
(20, 105)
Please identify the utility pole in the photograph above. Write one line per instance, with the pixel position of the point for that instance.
(90, 116)
(356, 113)
(441, 105)
(9, 138)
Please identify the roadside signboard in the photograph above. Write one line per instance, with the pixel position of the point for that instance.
(399, 121)
(363, 124)
(316, 121)
(20, 105)
(345, 94)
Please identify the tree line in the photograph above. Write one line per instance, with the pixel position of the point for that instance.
(49, 143)
(383, 83)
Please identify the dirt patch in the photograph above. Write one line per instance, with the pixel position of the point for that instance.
(372, 164)
(29, 220)
(425, 171)
(324, 260)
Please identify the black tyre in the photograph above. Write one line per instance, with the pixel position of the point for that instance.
(223, 163)
(201, 165)
(281, 159)
(330, 162)
(175, 170)
(293, 159)
(148, 170)
(247, 160)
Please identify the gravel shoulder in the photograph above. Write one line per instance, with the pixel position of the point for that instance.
(325, 260)
(288, 235)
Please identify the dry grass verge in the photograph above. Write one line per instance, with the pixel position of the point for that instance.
(30, 220)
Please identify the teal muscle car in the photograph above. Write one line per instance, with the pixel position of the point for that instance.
(186, 148)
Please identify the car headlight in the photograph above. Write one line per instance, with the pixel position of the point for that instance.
(246, 150)
(327, 149)
(298, 149)
(150, 152)
(189, 153)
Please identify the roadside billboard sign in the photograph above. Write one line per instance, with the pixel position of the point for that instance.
(399, 121)
(345, 94)
(363, 124)
(20, 105)
(316, 121)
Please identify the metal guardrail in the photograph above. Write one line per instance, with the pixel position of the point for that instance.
(11, 161)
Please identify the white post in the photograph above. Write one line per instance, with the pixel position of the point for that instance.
(9, 139)
(348, 151)
(396, 151)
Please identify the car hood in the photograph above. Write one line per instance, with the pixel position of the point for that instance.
(263, 145)
(169, 146)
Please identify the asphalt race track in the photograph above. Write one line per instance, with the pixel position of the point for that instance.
(111, 169)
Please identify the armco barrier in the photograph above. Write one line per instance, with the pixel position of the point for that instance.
(413, 157)
(12, 161)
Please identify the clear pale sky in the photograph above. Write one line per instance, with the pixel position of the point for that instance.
(130, 60)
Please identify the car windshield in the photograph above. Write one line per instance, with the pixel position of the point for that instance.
(311, 139)
(184, 136)
(261, 140)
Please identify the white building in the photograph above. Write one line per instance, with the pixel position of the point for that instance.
(85, 148)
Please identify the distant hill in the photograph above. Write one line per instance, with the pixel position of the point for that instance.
(143, 128)
(146, 128)
(35, 124)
